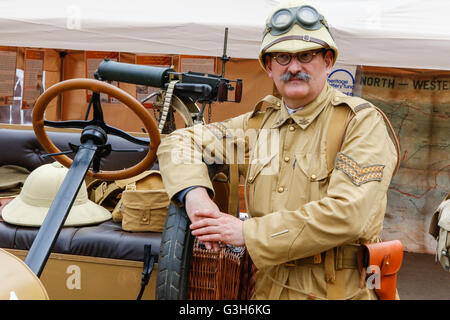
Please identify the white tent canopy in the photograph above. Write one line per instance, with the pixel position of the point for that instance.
(405, 33)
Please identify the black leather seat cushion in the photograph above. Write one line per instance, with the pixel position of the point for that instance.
(106, 240)
(21, 148)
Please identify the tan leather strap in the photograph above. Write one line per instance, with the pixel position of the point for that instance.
(254, 123)
(394, 138)
(305, 37)
(104, 190)
(335, 133)
(233, 197)
(329, 265)
(99, 190)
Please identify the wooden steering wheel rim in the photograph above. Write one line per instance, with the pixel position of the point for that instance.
(97, 86)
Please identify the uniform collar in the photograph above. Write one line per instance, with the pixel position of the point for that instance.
(308, 113)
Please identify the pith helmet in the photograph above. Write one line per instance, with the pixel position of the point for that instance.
(296, 26)
(30, 207)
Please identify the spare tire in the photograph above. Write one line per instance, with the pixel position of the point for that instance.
(172, 281)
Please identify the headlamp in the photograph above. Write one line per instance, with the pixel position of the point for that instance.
(284, 19)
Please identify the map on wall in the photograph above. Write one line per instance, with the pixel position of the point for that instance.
(417, 102)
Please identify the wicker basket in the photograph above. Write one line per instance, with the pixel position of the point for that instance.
(222, 275)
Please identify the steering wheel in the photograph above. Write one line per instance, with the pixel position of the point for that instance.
(96, 87)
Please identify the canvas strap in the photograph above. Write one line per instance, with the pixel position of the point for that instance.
(335, 133)
(254, 123)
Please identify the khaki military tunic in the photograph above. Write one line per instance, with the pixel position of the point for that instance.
(299, 210)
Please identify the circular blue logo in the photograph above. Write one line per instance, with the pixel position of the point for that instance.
(342, 80)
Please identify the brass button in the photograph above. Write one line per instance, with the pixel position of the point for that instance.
(250, 179)
(336, 99)
(313, 177)
(278, 104)
(287, 159)
(291, 128)
(280, 189)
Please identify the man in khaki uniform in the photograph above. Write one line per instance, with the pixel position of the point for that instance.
(307, 219)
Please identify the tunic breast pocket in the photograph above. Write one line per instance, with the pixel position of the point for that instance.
(310, 177)
(260, 180)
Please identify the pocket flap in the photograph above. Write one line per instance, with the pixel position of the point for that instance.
(312, 165)
(145, 199)
(387, 255)
(258, 166)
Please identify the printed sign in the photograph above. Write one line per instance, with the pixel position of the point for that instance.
(34, 77)
(8, 57)
(342, 78)
(199, 64)
(93, 59)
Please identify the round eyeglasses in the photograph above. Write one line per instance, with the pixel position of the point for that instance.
(284, 58)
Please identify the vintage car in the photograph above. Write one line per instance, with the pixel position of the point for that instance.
(103, 261)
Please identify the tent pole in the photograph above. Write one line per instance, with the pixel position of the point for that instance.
(62, 55)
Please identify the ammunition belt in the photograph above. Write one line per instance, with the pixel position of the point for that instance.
(166, 106)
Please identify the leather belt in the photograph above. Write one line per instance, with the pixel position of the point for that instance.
(345, 258)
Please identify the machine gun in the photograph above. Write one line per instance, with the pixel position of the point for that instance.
(190, 87)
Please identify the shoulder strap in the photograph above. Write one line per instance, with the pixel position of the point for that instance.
(270, 99)
(335, 134)
(99, 190)
(124, 182)
(254, 123)
(394, 139)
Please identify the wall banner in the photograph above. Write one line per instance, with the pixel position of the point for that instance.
(199, 64)
(92, 60)
(8, 59)
(34, 77)
(417, 102)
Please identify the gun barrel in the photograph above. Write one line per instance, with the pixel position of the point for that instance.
(133, 73)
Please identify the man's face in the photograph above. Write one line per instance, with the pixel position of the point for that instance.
(298, 92)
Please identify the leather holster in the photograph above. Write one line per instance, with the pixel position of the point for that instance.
(387, 256)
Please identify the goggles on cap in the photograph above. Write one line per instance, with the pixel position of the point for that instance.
(284, 19)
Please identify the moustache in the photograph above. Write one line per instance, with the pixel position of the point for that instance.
(299, 75)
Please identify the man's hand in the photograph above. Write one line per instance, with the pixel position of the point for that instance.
(210, 225)
(197, 202)
(213, 226)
